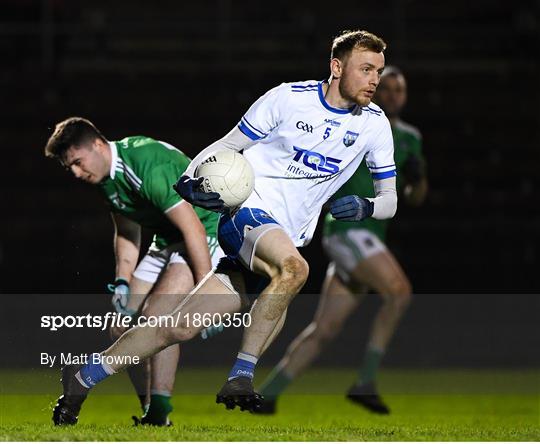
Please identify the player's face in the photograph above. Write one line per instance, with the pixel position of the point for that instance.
(87, 163)
(392, 94)
(361, 73)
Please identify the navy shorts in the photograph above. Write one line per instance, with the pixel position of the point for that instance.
(238, 234)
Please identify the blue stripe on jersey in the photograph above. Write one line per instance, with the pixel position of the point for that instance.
(372, 110)
(331, 108)
(303, 90)
(385, 175)
(380, 168)
(242, 126)
(305, 86)
(253, 128)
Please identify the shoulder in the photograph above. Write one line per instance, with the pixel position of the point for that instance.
(134, 146)
(409, 129)
(375, 117)
(144, 154)
(376, 120)
(373, 109)
(295, 89)
(302, 86)
(145, 148)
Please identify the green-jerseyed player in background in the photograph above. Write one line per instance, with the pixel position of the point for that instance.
(136, 175)
(359, 261)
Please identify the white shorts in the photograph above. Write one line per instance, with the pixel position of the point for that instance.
(155, 261)
(345, 249)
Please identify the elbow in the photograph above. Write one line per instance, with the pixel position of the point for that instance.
(385, 207)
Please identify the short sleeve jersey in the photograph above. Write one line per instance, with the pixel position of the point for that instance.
(407, 143)
(139, 186)
(306, 150)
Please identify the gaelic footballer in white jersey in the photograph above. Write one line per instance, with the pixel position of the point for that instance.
(303, 141)
(306, 150)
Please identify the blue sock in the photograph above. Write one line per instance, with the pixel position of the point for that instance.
(244, 366)
(94, 371)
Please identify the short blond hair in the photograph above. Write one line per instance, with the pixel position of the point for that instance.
(348, 40)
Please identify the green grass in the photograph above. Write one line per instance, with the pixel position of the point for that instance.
(426, 406)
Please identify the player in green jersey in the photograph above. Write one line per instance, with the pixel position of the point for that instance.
(359, 261)
(136, 175)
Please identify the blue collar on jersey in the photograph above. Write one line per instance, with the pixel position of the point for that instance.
(331, 108)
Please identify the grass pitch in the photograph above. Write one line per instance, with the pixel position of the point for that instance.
(426, 405)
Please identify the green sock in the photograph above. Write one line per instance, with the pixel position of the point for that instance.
(160, 407)
(370, 365)
(276, 382)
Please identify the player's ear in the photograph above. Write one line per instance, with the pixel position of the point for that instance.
(336, 67)
(99, 145)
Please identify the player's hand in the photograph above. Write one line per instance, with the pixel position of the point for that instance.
(413, 170)
(120, 299)
(189, 190)
(351, 208)
(211, 331)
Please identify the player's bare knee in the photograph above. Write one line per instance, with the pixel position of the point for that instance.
(399, 288)
(293, 273)
(327, 331)
(152, 310)
(115, 332)
(181, 332)
(400, 294)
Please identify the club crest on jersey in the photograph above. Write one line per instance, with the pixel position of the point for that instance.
(115, 199)
(350, 138)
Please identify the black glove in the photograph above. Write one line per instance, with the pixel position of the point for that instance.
(413, 170)
(351, 208)
(189, 189)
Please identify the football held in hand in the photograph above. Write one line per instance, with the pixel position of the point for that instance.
(228, 173)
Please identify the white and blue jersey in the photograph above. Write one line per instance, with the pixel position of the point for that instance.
(306, 150)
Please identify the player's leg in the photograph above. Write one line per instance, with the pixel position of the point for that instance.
(382, 273)
(218, 293)
(277, 258)
(274, 256)
(336, 304)
(363, 259)
(174, 284)
(213, 295)
(138, 374)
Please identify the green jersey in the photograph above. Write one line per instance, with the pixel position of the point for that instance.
(407, 142)
(139, 186)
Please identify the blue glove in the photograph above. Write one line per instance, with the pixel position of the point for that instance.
(120, 299)
(351, 208)
(211, 331)
(189, 190)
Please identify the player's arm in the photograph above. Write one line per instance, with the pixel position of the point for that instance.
(235, 140)
(127, 243)
(261, 118)
(380, 162)
(186, 220)
(157, 188)
(356, 208)
(187, 186)
(416, 183)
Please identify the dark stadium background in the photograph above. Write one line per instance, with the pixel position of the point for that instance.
(185, 72)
